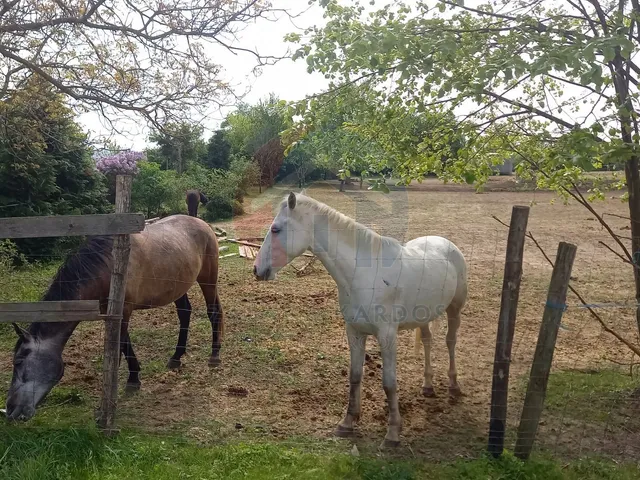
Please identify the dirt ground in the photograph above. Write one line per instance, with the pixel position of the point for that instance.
(285, 357)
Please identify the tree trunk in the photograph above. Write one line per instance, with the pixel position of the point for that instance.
(633, 185)
(631, 172)
(361, 180)
(342, 185)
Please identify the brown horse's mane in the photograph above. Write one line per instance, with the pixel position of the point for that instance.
(78, 270)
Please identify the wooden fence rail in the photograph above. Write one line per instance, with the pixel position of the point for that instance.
(122, 223)
(71, 225)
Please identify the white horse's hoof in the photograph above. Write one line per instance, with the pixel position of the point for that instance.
(428, 392)
(390, 443)
(455, 392)
(345, 432)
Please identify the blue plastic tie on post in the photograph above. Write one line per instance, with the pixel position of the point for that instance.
(560, 306)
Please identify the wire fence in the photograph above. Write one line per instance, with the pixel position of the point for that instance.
(284, 361)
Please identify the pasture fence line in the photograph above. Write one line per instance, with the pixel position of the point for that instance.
(121, 223)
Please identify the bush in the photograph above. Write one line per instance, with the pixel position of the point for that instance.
(156, 192)
(10, 255)
(220, 207)
(245, 173)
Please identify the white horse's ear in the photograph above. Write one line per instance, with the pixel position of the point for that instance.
(291, 201)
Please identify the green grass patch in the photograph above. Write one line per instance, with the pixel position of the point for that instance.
(26, 284)
(588, 395)
(51, 454)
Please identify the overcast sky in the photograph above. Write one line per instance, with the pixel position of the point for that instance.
(287, 79)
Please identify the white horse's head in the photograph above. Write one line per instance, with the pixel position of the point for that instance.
(290, 235)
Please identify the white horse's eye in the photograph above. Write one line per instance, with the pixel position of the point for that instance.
(275, 229)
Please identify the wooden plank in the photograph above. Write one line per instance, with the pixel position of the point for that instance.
(506, 327)
(63, 311)
(543, 357)
(71, 225)
(121, 250)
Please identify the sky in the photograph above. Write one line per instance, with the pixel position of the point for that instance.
(287, 79)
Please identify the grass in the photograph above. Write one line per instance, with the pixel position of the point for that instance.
(588, 395)
(51, 454)
(22, 285)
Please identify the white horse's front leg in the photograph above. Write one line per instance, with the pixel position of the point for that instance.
(387, 340)
(357, 343)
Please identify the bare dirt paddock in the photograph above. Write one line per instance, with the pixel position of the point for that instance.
(285, 357)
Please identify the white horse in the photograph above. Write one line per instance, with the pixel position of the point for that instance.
(383, 286)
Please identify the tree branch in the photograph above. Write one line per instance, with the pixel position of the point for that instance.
(529, 108)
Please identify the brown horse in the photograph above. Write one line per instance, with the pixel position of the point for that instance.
(193, 198)
(166, 259)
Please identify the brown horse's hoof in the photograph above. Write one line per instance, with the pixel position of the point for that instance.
(429, 392)
(390, 443)
(214, 362)
(173, 363)
(131, 388)
(345, 432)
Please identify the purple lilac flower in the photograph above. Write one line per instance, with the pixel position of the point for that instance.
(121, 163)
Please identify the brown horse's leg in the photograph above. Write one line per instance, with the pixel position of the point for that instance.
(184, 315)
(214, 311)
(133, 383)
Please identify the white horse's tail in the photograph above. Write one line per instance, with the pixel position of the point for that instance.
(433, 327)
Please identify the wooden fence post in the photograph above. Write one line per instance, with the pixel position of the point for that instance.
(121, 249)
(506, 327)
(537, 388)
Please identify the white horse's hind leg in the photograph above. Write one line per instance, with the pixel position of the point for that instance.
(357, 342)
(387, 341)
(427, 386)
(453, 316)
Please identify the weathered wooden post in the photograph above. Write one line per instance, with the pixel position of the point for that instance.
(506, 327)
(121, 249)
(543, 357)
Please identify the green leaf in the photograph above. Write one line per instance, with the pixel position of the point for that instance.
(442, 7)
(469, 177)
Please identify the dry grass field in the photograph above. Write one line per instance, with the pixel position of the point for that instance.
(285, 357)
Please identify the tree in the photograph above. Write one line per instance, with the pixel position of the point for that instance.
(254, 132)
(118, 56)
(252, 126)
(179, 145)
(300, 158)
(218, 153)
(45, 161)
(352, 132)
(553, 83)
(155, 191)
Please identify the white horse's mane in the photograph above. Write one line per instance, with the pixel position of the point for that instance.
(339, 220)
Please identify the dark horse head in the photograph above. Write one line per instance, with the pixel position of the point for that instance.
(193, 198)
(37, 358)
